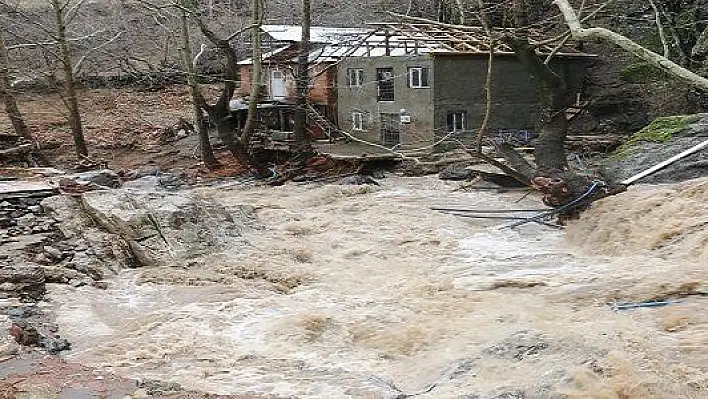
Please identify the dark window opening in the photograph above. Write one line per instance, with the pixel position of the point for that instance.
(456, 121)
(355, 77)
(384, 78)
(357, 121)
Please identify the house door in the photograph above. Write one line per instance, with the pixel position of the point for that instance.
(278, 91)
(390, 129)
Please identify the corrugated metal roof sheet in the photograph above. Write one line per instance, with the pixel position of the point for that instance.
(318, 34)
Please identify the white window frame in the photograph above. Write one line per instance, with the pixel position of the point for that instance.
(462, 115)
(419, 83)
(355, 77)
(357, 121)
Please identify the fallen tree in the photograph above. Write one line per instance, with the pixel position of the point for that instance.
(606, 35)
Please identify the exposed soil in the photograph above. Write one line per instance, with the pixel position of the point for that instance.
(125, 128)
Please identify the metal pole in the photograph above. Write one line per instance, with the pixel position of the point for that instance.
(663, 164)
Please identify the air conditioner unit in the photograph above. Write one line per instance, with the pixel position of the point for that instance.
(405, 119)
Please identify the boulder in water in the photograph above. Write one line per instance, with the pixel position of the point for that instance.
(358, 180)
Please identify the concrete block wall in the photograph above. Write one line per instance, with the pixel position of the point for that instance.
(417, 102)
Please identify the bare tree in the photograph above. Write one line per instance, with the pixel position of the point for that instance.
(660, 29)
(62, 14)
(256, 79)
(553, 126)
(179, 12)
(66, 60)
(238, 142)
(188, 65)
(484, 21)
(300, 128)
(8, 98)
(219, 112)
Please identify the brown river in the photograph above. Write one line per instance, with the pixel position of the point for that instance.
(365, 292)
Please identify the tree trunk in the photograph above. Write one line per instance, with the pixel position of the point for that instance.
(553, 125)
(516, 160)
(8, 99)
(202, 128)
(520, 16)
(484, 20)
(71, 99)
(220, 113)
(256, 83)
(302, 136)
(660, 29)
(549, 148)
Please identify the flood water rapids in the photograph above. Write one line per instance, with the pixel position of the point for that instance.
(365, 292)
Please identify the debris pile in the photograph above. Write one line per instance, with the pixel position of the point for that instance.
(320, 167)
(17, 151)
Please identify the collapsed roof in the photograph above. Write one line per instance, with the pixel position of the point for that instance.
(402, 39)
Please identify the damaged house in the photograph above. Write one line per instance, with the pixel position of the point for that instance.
(281, 44)
(408, 84)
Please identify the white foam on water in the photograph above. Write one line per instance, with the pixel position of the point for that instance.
(392, 297)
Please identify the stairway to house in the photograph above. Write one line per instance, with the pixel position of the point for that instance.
(321, 121)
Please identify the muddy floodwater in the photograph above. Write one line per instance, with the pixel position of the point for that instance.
(365, 292)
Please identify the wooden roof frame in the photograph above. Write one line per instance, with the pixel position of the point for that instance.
(455, 40)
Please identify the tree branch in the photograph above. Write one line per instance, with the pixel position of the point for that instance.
(628, 45)
(53, 43)
(238, 32)
(660, 27)
(77, 66)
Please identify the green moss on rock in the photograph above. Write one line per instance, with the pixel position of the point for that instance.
(660, 130)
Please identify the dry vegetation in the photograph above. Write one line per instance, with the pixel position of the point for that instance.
(123, 127)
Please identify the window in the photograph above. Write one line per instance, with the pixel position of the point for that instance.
(384, 80)
(355, 77)
(357, 121)
(456, 121)
(418, 77)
